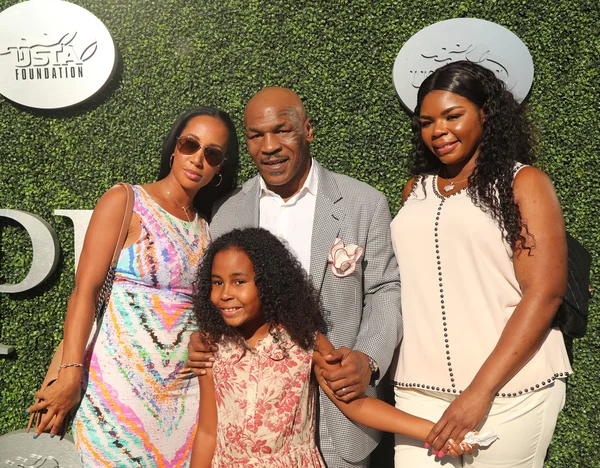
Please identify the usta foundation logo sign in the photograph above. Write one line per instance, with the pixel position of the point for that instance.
(56, 60)
(53, 54)
(472, 39)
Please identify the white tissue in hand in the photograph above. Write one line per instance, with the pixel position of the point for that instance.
(483, 439)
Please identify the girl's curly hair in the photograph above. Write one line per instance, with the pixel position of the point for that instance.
(508, 137)
(287, 295)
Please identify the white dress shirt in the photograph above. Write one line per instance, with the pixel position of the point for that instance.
(292, 220)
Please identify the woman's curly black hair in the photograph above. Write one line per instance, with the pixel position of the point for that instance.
(508, 137)
(286, 293)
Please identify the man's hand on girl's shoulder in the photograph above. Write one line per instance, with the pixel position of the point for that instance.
(200, 354)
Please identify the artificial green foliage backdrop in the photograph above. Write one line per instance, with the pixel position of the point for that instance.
(338, 55)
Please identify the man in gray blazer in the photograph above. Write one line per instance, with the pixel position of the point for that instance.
(314, 210)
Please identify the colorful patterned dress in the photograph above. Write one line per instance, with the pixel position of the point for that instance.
(141, 403)
(265, 406)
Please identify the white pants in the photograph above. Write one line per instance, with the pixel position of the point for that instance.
(523, 424)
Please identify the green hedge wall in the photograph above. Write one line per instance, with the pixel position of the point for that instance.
(338, 56)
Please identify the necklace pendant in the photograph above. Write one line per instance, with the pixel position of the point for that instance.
(449, 188)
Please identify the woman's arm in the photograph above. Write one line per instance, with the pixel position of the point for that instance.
(206, 432)
(366, 410)
(542, 276)
(98, 248)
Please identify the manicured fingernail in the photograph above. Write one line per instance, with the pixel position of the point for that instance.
(427, 445)
(441, 454)
(26, 411)
(52, 436)
(35, 436)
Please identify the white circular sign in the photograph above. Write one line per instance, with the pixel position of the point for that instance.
(475, 40)
(53, 54)
(18, 449)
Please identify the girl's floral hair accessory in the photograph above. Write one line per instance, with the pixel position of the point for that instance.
(343, 259)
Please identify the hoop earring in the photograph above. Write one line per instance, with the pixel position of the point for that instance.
(220, 180)
(171, 160)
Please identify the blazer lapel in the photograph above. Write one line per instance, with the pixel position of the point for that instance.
(326, 226)
(247, 213)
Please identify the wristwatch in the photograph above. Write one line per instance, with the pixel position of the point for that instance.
(374, 371)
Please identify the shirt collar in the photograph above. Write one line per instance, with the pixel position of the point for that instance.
(310, 185)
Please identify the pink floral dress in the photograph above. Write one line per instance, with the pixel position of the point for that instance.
(265, 405)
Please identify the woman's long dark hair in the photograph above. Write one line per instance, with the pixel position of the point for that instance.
(207, 195)
(286, 293)
(508, 137)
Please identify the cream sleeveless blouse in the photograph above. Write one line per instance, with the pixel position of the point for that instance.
(458, 291)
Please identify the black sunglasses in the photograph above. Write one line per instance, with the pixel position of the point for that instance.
(188, 145)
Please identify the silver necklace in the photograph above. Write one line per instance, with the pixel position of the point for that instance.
(184, 208)
(449, 187)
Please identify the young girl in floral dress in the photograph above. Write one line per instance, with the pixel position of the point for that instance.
(257, 405)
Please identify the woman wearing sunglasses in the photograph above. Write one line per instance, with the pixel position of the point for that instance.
(139, 401)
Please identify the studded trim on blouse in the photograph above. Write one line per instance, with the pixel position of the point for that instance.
(441, 282)
(533, 388)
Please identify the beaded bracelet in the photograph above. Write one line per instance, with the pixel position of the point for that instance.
(74, 364)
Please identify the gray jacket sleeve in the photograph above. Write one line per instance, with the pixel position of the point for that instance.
(381, 327)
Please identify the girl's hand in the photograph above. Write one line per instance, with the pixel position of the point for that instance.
(463, 415)
(456, 450)
(57, 399)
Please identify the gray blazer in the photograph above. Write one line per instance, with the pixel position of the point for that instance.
(363, 308)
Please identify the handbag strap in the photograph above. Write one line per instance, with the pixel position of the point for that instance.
(110, 274)
(124, 224)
